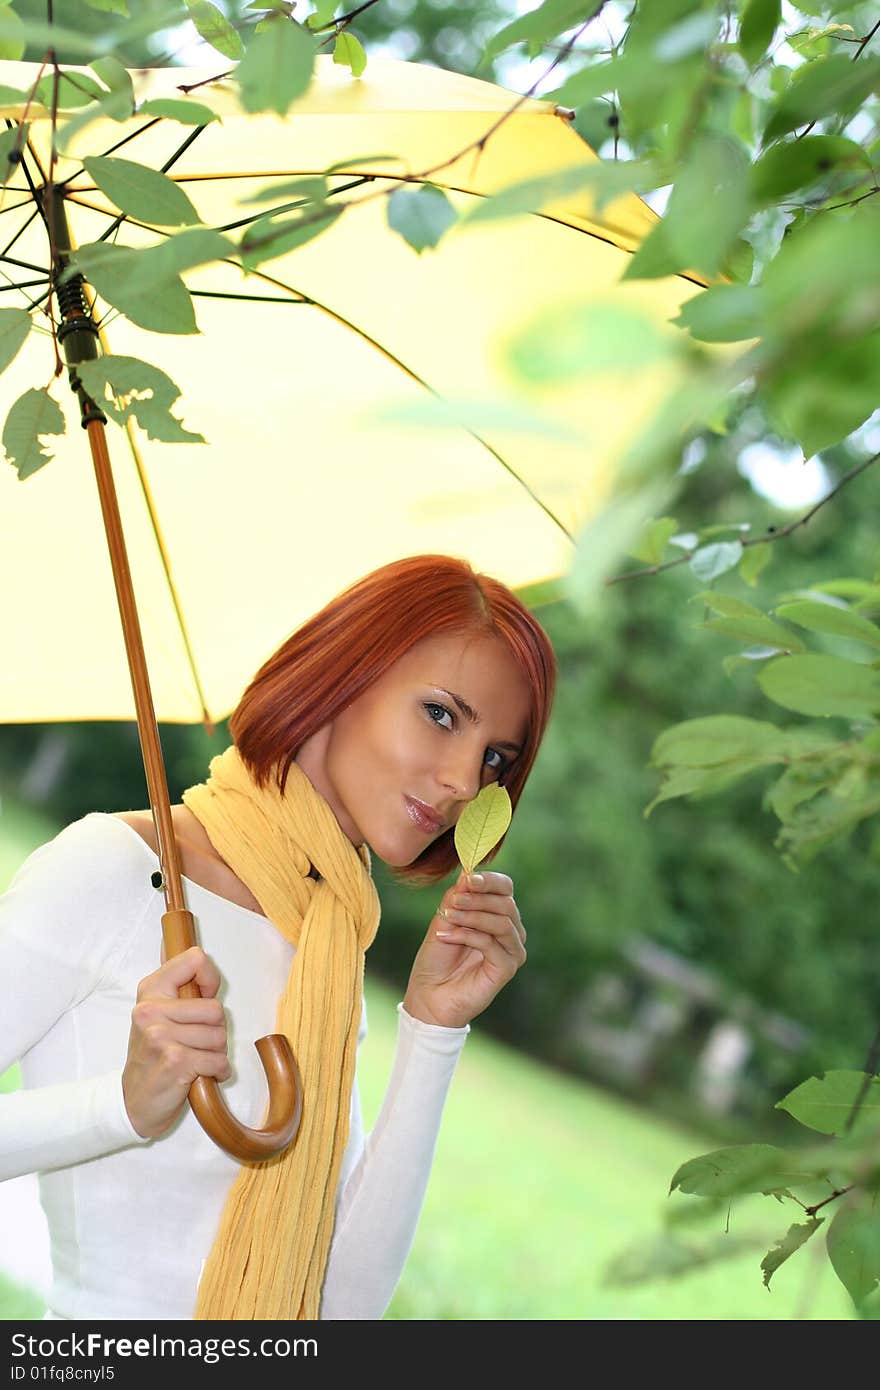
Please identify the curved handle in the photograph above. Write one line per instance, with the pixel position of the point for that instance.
(279, 1064)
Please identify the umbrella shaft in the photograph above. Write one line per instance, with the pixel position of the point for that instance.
(148, 730)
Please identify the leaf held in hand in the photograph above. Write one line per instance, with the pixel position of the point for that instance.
(482, 824)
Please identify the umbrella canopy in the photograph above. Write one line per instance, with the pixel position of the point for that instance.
(302, 486)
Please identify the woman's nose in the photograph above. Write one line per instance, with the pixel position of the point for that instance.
(463, 778)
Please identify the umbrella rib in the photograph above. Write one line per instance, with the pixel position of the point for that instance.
(4, 254)
(166, 566)
(414, 376)
(133, 135)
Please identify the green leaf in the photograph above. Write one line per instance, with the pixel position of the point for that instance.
(322, 14)
(698, 782)
(853, 1245)
(830, 617)
(719, 738)
(109, 6)
(744, 1168)
(825, 87)
(10, 140)
(707, 209)
(213, 26)
(573, 340)
(822, 399)
(801, 782)
(116, 77)
(650, 546)
(114, 271)
(756, 626)
(420, 215)
(309, 190)
(349, 52)
(15, 324)
(272, 236)
(33, 415)
(75, 89)
(277, 67)
(748, 624)
(127, 388)
(152, 268)
(13, 36)
(710, 561)
(481, 825)
(146, 194)
(759, 630)
(754, 560)
(794, 1238)
(797, 164)
(852, 588)
(607, 538)
(597, 79)
(605, 180)
(723, 314)
(115, 106)
(545, 22)
(824, 1103)
(821, 685)
(759, 22)
(182, 110)
(12, 97)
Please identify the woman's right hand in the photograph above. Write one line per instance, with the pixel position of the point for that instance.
(172, 1041)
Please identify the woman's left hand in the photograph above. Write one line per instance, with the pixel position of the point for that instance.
(474, 946)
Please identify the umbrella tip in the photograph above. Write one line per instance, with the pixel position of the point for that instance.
(565, 112)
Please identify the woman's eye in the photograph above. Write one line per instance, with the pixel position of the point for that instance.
(437, 713)
(496, 766)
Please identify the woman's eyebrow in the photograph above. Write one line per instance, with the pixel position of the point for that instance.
(471, 714)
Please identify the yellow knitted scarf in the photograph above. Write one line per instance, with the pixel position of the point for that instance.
(271, 1249)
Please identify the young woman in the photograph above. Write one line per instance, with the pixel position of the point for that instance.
(367, 732)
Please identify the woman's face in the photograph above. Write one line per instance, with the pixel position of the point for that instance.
(442, 722)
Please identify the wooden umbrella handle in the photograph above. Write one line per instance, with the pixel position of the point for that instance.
(282, 1074)
(79, 335)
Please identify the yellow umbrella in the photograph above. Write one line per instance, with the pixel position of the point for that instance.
(302, 486)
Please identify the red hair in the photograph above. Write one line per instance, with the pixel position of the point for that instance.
(337, 654)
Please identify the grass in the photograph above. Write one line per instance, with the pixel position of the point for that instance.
(539, 1180)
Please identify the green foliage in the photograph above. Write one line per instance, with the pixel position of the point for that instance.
(823, 685)
(348, 52)
(33, 416)
(163, 307)
(147, 194)
(747, 1168)
(854, 1246)
(826, 1103)
(420, 215)
(277, 67)
(275, 234)
(174, 109)
(215, 29)
(128, 389)
(15, 325)
(796, 1236)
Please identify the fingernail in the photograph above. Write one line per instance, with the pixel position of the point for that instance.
(477, 880)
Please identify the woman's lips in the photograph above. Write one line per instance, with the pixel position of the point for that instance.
(421, 816)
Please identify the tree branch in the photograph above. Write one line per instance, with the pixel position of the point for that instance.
(773, 533)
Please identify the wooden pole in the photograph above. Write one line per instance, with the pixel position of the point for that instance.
(78, 335)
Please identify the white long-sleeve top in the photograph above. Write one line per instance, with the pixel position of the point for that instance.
(132, 1220)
